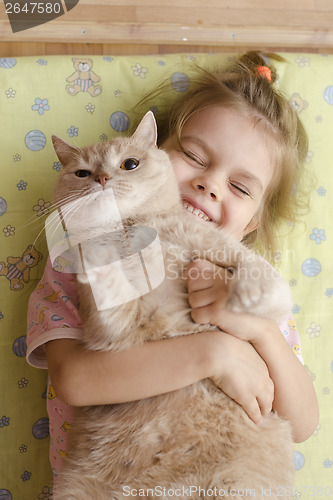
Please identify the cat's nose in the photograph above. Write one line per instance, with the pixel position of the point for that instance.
(102, 179)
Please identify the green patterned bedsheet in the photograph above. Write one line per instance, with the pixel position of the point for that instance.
(40, 96)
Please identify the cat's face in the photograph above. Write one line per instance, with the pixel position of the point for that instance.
(140, 175)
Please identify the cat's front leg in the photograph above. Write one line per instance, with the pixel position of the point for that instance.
(254, 286)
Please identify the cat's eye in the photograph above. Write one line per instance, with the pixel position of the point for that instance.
(82, 173)
(130, 164)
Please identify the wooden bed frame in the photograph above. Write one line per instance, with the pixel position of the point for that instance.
(151, 27)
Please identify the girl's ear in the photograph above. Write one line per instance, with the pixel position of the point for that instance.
(147, 130)
(64, 151)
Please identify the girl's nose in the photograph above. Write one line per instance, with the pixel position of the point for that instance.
(102, 178)
(208, 186)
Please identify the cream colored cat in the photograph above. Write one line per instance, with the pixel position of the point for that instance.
(196, 437)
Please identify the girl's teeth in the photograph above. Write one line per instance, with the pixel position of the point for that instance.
(195, 211)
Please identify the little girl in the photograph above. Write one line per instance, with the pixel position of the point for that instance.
(237, 148)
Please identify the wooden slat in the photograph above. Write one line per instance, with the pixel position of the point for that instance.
(158, 33)
(158, 25)
(309, 5)
(180, 13)
(103, 13)
(19, 49)
(231, 17)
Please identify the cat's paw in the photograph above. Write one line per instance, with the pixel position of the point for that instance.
(246, 295)
(266, 295)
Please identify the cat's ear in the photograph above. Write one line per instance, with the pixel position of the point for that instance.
(147, 130)
(64, 151)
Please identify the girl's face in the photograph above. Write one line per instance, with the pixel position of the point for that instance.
(223, 168)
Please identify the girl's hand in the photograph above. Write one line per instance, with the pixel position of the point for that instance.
(242, 374)
(207, 286)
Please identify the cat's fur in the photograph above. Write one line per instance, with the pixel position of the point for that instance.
(196, 436)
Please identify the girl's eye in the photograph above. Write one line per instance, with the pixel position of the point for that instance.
(193, 157)
(82, 173)
(130, 164)
(241, 189)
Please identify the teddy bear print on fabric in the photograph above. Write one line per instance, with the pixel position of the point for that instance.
(17, 269)
(83, 79)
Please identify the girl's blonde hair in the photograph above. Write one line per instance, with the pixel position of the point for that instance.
(241, 86)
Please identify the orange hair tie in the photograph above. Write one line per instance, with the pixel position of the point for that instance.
(265, 72)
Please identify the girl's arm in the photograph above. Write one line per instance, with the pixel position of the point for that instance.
(80, 377)
(294, 395)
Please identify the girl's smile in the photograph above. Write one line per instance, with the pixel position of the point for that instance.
(194, 209)
(223, 168)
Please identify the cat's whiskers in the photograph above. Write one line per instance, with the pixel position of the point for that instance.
(69, 206)
(69, 210)
(52, 224)
(53, 221)
(41, 219)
